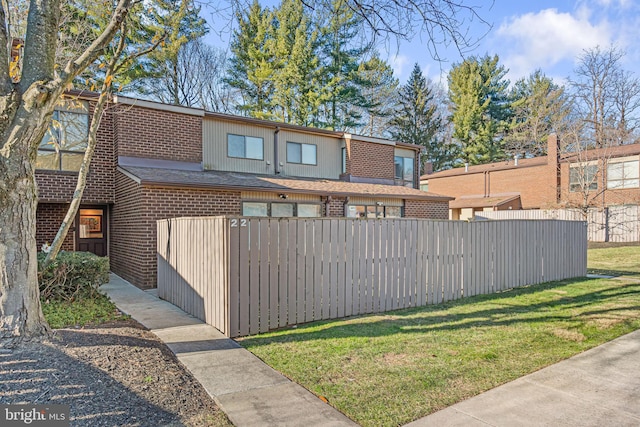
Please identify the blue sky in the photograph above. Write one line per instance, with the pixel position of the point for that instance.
(527, 35)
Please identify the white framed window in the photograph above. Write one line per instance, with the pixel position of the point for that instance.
(281, 209)
(404, 171)
(623, 175)
(65, 142)
(245, 147)
(255, 209)
(373, 211)
(306, 154)
(583, 177)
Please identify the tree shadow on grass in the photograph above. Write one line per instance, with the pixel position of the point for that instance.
(505, 310)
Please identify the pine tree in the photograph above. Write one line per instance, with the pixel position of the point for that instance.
(378, 88)
(480, 108)
(251, 66)
(341, 95)
(539, 108)
(417, 121)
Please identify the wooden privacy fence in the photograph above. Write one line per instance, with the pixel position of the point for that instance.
(612, 224)
(251, 275)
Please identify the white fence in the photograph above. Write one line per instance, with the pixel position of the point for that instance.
(613, 224)
(251, 275)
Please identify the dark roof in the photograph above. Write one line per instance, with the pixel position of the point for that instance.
(481, 202)
(504, 165)
(250, 182)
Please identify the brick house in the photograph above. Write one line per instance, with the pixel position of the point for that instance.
(597, 178)
(156, 161)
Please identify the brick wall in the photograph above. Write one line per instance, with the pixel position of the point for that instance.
(596, 197)
(49, 216)
(336, 207)
(370, 160)
(156, 134)
(426, 209)
(58, 186)
(536, 184)
(133, 233)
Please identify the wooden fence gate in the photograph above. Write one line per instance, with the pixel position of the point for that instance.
(250, 275)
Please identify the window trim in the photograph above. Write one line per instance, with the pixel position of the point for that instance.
(376, 207)
(582, 169)
(244, 137)
(269, 204)
(624, 179)
(401, 180)
(301, 162)
(60, 152)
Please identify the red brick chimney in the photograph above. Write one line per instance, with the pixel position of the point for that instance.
(553, 161)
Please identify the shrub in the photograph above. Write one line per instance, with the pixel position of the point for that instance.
(72, 275)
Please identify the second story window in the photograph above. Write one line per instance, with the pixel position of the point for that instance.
(245, 147)
(404, 171)
(583, 178)
(65, 142)
(305, 154)
(623, 175)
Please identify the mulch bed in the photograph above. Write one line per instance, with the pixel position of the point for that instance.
(115, 374)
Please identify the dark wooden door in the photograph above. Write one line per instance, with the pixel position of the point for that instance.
(92, 230)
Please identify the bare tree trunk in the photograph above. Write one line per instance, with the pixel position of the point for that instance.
(20, 311)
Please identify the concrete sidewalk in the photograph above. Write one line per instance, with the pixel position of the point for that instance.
(246, 389)
(598, 387)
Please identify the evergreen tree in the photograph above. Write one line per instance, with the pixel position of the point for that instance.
(341, 96)
(295, 98)
(480, 108)
(378, 87)
(539, 109)
(251, 67)
(417, 121)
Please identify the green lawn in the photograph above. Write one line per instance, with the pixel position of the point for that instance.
(389, 369)
(85, 311)
(617, 261)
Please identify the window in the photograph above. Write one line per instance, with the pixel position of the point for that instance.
(305, 154)
(308, 211)
(344, 160)
(623, 175)
(281, 210)
(254, 209)
(403, 171)
(373, 211)
(65, 142)
(245, 147)
(582, 178)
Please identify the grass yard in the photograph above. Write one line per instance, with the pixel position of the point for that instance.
(616, 261)
(86, 311)
(392, 368)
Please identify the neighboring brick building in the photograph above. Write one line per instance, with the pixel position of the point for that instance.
(156, 161)
(598, 178)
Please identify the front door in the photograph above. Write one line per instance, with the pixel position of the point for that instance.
(92, 230)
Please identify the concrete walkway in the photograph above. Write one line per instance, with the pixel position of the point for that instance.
(246, 389)
(598, 387)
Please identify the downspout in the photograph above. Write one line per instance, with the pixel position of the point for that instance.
(276, 161)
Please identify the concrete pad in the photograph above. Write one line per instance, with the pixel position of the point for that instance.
(286, 404)
(449, 417)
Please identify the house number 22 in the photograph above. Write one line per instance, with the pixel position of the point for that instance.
(243, 222)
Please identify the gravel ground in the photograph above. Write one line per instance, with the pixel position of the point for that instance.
(116, 374)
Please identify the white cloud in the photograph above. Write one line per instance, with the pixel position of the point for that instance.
(548, 37)
(399, 64)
